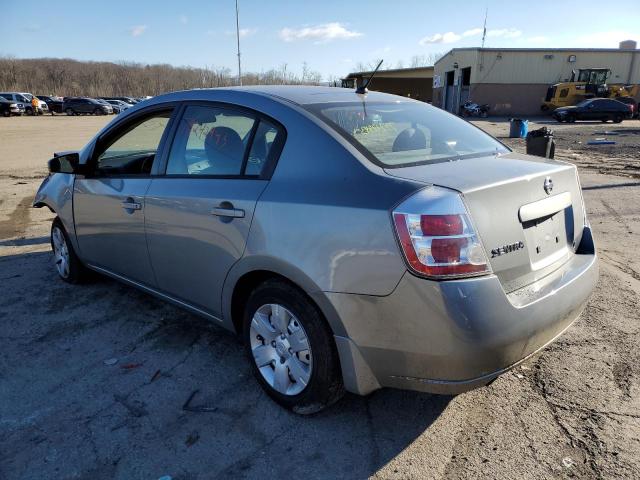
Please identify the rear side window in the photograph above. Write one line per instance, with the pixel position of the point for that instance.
(210, 141)
(222, 141)
(403, 134)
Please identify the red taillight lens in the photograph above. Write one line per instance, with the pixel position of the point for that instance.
(439, 245)
(447, 250)
(437, 225)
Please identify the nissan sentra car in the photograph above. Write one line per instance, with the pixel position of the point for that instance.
(355, 241)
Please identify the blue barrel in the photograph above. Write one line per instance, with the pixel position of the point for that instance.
(518, 128)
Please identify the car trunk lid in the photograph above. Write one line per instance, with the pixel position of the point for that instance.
(528, 210)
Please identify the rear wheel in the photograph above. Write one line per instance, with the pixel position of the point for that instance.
(69, 111)
(291, 349)
(98, 111)
(617, 118)
(67, 263)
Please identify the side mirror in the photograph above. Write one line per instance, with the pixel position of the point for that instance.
(65, 163)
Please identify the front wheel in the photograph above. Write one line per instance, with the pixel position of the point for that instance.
(571, 118)
(291, 348)
(484, 114)
(29, 111)
(69, 111)
(67, 263)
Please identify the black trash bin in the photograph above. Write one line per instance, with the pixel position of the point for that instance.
(540, 142)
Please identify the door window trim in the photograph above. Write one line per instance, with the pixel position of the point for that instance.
(272, 158)
(116, 130)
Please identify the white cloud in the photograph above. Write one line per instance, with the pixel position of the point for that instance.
(504, 33)
(244, 32)
(608, 39)
(184, 19)
(537, 40)
(320, 33)
(473, 32)
(448, 37)
(137, 30)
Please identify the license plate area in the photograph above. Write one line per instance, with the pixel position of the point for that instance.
(548, 238)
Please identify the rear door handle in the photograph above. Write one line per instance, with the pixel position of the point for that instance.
(228, 212)
(127, 205)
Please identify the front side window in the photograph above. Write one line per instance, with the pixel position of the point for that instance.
(403, 134)
(210, 141)
(134, 150)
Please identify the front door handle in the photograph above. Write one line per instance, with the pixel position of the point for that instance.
(228, 212)
(131, 205)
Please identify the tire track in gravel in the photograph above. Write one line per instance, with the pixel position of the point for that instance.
(18, 221)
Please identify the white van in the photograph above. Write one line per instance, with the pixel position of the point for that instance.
(25, 98)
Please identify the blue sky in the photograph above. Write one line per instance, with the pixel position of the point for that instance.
(331, 36)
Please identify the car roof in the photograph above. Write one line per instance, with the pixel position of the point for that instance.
(298, 94)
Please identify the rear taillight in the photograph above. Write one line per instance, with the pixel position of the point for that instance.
(437, 236)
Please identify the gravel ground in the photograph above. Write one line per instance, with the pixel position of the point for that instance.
(93, 378)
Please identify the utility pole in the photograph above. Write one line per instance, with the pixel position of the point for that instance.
(238, 37)
(484, 30)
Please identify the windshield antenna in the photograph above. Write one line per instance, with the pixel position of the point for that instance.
(362, 89)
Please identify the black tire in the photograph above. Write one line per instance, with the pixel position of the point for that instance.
(98, 111)
(617, 118)
(571, 118)
(325, 385)
(69, 111)
(29, 111)
(77, 272)
(6, 113)
(484, 114)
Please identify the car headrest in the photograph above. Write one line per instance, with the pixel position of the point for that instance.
(409, 139)
(223, 146)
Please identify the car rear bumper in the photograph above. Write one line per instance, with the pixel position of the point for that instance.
(449, 337)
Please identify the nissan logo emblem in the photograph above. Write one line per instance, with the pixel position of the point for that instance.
(548, 185)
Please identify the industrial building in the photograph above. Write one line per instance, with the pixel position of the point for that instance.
(514, 81)
(408, 82)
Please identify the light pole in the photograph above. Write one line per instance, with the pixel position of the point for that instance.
(238, 38)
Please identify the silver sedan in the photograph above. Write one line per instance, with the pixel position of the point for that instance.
(355, 241)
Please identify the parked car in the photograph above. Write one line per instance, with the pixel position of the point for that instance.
(602, 109)
(414, 251)
(118, 105)
(129, 100)
(632, 103)
(104, 102)
(82, 105)
(9, 108)
(25, 99)
(55, 104)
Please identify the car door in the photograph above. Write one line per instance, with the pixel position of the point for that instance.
(108, 202)
(199, 213)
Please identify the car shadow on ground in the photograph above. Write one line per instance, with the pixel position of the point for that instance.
(100, 374)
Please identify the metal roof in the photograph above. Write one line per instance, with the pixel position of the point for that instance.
(537, 49)
(390, 70)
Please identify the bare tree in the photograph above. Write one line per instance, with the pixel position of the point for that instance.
(66, 77)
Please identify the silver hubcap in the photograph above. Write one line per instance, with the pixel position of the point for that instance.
(60, 252)
(281, 349)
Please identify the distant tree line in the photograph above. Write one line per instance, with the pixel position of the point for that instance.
(67, 77)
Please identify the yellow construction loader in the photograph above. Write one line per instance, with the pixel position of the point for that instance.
(585, 83)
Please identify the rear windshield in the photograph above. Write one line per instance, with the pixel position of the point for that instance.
(403, 134)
